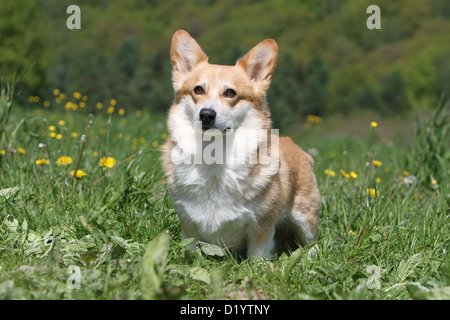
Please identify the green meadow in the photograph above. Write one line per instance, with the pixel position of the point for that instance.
(85, 212)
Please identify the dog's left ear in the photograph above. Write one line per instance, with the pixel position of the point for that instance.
(259, 63)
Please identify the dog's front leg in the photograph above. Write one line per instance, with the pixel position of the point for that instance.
(260, 242)
(188, 232)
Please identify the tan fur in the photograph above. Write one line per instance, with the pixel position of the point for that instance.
(284, 207)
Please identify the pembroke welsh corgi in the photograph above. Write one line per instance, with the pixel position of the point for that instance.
(232, 179)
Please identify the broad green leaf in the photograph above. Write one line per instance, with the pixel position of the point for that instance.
(24, 225)
(119, 241)
(185, 242)
(407, 266)
(293, 259)
(211, 249)
(85, 223)
(9, 192)
(153, 266)
(12, 223)
(419, 292)
(200, 274)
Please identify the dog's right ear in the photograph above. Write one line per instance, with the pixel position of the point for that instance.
(185, 54)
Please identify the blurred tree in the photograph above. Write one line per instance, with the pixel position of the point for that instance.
(393, 93)
(151, 85)
(23, 44)
(443, 75)
(366, 97)
(314, 93)
(343, 86)
(229, 57)
(86, 75)
(126, 57)
(284, 94)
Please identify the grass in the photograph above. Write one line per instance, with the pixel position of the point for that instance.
(113, 233)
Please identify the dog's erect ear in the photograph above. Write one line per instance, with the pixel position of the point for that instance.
(185, 54)
(260, 62)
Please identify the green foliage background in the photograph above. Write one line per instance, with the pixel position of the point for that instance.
(329, 61)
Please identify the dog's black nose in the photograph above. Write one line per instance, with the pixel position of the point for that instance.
(207, 116)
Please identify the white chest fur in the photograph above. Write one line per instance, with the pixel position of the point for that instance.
(215, 199)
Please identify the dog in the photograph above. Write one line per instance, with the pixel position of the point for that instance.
(254, 207)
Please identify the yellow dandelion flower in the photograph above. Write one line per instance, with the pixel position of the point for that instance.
(313, 118)
(121, 111)
(138, 113)
(416, 196)
(64, 160)
(21, 151)
(155, 144)
(77, 95)
(344, 174)
(372, 192)
(353, 175)
(377, 163)
(58, 136)
(55, 92)
(82, 104)
(374, 124)
(61, 122)
(377, 180)
(99, 105)
(107, 162)
(406, 173)
(386, 170)
(351, 232)
(52, 134)
(113, 102)
(164, 136)
(2, 152)
(62, 96)
(46, 103)
(110, 110)
(41, 161)
(68, 105)
(74, 134)
(52, 128)
(79, 174)
(85, 98)
(332, 173)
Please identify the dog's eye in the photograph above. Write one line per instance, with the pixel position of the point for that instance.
(199, 90)
(229, 93)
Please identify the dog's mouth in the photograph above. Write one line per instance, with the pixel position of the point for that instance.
(206, 127)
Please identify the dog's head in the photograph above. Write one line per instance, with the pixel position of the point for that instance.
(222, 97)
